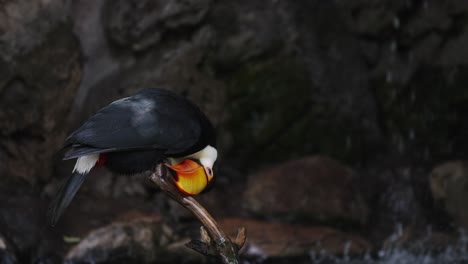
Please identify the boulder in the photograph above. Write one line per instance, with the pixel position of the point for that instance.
(275, 240)
(136, 241)
(449, 188)
(312, 188)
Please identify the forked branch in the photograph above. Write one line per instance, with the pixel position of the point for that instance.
(214, 241)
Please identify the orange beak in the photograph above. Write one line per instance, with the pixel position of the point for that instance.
(191, 177)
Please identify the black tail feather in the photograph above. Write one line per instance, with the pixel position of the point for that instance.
(64, 196)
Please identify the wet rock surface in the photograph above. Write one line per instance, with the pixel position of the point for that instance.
(449, 182)
(276, 240)
(148, 240)
(297, 189)
(40, 74)
(137, 241)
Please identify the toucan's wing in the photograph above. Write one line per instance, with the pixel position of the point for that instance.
(77, 150)
(153, 118)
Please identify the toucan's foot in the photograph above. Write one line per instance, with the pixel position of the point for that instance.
(208, 247)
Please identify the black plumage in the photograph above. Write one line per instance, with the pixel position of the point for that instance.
(152, 119)
(134, 134)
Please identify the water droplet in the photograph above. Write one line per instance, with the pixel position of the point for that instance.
(393, 46)
(411, 134)
(396, 22)
(389, 76)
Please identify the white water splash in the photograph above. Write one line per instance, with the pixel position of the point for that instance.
(456, 253)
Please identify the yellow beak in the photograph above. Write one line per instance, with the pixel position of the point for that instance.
(191, 177)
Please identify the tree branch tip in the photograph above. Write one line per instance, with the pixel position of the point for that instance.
(241, 237)
(204, 235)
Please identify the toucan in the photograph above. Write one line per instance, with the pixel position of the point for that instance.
(133, 135)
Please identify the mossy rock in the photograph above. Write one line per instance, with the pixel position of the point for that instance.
(274, 115)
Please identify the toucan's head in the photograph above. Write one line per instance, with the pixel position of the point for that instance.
(194, 172)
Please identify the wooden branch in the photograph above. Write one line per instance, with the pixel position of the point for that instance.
(214, 242)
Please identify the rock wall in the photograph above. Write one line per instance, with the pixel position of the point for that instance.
(279, 80)
(40, 73)
(378, 85)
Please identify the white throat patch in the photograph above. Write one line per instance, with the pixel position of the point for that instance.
(85, 163)
(206, 156)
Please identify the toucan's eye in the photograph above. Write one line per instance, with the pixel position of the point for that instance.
(210, 172)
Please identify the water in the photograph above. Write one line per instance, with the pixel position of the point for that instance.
(398, 256)
(419, 254)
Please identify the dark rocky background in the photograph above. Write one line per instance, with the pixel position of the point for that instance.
(342, 126)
